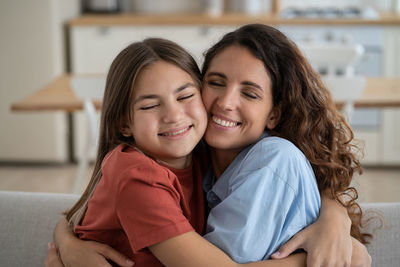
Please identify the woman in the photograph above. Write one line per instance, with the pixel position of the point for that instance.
(284, 98)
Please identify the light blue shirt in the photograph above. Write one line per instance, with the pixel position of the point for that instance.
(267, 194)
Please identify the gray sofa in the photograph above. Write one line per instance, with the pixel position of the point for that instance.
(27, 221)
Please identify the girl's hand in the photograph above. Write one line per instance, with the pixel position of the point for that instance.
(360, 257)
(324, 248)
(328, 242)
(76, 252)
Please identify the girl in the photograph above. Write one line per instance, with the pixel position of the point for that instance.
(152, 119)
(243, 102)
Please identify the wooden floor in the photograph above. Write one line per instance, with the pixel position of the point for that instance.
(375, 185)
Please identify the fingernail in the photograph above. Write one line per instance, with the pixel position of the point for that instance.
(130, 263)
(49, 245)
(276, 254)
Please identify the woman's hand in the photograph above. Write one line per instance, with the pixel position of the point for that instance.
(328, 242)
(76, 252)
(89, 253)
(52, 260)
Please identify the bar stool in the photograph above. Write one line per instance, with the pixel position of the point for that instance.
(88, 89)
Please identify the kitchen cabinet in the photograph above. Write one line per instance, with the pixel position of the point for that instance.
(32, 53)
(391, 117)
(94, 47)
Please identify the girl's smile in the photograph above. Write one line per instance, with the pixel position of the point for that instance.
(176, 133)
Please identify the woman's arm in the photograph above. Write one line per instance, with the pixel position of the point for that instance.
(76, 252)
(328, 241)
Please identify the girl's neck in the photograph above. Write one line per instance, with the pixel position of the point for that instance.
(221, 159)
(175, 163)
(179, 163)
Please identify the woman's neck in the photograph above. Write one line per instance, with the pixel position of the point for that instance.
(221, 159)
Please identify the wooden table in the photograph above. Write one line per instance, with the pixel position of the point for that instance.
(380, 92)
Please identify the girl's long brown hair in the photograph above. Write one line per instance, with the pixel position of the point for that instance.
(309, 117)
(116, 108)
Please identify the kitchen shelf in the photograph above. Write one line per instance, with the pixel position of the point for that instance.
(225, 19)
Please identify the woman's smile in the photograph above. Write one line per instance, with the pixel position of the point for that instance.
(225, 123)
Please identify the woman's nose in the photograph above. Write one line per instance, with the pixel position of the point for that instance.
(228, 99)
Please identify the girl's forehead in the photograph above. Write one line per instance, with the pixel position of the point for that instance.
(160, 78)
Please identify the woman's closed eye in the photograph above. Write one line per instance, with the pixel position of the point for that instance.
(250, 95)
(215, 83)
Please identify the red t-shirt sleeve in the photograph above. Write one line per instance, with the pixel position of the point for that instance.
(148, 206)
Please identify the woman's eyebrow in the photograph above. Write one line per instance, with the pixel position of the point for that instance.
(219, 74)
(252, 84)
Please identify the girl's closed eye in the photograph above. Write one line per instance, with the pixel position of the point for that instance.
(184, 97)
(148, 107)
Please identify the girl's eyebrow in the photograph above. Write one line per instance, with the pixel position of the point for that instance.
(186, 85)
(154, 96)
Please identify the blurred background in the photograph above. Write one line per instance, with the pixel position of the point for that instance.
(44, 39)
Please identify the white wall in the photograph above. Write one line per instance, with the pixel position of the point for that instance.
(32, 54)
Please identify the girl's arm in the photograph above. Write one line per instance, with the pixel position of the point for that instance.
(328, 241)
(188, 249)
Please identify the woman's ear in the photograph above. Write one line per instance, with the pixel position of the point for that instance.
(273, 117)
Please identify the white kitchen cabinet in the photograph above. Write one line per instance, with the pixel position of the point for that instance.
(94, 47)
(391, 117)
(32, 53)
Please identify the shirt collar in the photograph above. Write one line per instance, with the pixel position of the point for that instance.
(220, 187)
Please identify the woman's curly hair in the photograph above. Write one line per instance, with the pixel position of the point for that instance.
(308, 115)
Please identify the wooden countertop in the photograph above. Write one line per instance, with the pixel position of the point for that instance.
(380, 92)
(225, 19)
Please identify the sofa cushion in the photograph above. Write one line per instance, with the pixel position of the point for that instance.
(382, 220)
(26, 225)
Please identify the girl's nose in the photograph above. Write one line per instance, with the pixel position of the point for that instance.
(172, 113)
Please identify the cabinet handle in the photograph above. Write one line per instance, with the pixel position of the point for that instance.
(103, 30)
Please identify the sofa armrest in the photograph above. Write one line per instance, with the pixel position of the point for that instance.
(26, 225)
